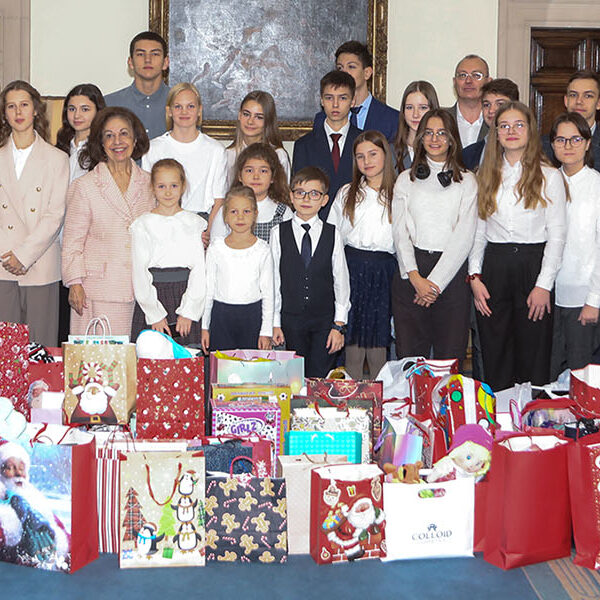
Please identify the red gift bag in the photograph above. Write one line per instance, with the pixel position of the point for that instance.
(585, 390)
(170, 398)
(481, 495)
(528, 508)
(584, 488)
(347, 521)
(14, 364)
(425, 375)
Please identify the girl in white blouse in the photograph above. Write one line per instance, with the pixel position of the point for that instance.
(576, 334)
(435, 217)
(238, 312)
(363, 216)
(168, 260)
(517, 251)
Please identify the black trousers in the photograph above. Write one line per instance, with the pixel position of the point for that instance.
(515, 349)
(234, 326)
(443, 327)
(309, 340)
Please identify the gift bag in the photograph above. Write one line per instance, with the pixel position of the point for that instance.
(162, 510)
(347, 520)
(170, 398)
(395, 377)
(424, 376)
(585, 390)
(100, 383)
(282, 367)
(296, 471)
(246, 519)
(48, 516)
(528, 509)
(346, 443)
(405, 441)
(14, 364)
(510, 403)
(98, 332)
(481, 495)
(584, 488)
(429, 520)
(328, 418)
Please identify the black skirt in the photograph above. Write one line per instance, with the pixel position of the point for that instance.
(234, 326)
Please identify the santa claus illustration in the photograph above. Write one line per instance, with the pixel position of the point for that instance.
(352, 528)
(94, 388)
(30, 533)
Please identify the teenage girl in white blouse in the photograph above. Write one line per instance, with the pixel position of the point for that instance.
(435, 217)
(517, 251)
(362, 214)
(576, 331)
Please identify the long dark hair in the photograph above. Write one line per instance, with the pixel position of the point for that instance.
(66, 133)
(40, 121)
(93, 152)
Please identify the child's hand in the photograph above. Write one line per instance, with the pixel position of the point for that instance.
(278, 337)
(205, 340)
(205, 238)
(162, 326)
(588, 315)
(335, 341)
(264, 342)
(183, 326)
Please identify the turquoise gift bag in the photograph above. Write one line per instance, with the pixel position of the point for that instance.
(347, 443)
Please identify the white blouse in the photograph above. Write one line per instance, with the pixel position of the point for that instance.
(75, 169)
(240, 276)
(578, 280)
(231, 154)
(372, 229)
(431, 217)
(512, 223)
(167, 242)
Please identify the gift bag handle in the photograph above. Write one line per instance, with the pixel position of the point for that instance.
(315, 462)
(111, 439)
(254, 471)
(180, 466)
(103, 322)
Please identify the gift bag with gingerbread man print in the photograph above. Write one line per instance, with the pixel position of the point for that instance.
(246, 518)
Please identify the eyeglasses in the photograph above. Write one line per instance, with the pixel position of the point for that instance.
(441, 134)
(476, 75)
(518, 126)
(575, 141)
(312, 194)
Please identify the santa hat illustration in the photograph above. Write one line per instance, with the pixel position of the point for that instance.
(13, 450)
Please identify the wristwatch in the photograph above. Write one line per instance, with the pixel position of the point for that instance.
(341, 328)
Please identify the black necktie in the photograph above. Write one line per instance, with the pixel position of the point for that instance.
(306, 248)
(354, 115)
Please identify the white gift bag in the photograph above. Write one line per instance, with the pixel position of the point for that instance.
(429, 520)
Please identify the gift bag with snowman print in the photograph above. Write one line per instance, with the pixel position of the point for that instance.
(162, 510)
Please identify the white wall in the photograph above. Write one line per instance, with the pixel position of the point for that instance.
(80, 41)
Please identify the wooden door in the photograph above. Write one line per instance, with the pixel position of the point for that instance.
(555, 55)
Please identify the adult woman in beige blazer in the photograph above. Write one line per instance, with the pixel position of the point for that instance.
(96, 255)
(33, 183)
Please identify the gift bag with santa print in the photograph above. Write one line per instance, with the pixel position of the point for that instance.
(48, 516)
(170, 398)
(100, 383)
(347, 521)
(162, 510)
(14, 364)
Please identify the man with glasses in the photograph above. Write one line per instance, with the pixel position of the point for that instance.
(470, 75)
(583, 97)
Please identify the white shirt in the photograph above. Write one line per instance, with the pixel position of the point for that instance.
(164, 242)
(231, 155)
(205, 165)
(513, 223)
(431, 217)
(578, 280)
(266, 212)
(20, 155)
(339, 268)
(343, 132)
(469, 132)
(75, 170)
(240, 277)
(372, 229)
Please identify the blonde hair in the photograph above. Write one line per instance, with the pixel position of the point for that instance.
(169, 163)
(176, 89)
(530, 187)
(240, 191)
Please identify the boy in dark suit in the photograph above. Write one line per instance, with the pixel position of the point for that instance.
(329, 144)
(311, 281)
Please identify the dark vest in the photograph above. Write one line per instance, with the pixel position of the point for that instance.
(307, 293)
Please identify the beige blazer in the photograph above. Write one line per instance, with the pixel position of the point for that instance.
(32, 210)
(96, 240)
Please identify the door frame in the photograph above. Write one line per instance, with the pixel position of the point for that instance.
(15, 22)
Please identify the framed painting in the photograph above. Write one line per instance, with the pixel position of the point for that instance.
(229, 48)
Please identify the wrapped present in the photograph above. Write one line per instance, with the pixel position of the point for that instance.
(14, 364)
(281, 367)
(347, 520)
(346, 443)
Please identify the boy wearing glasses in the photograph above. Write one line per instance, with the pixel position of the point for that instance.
(312, 285)
(470, 75)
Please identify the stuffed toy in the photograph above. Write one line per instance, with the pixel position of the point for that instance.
(469, 455)
(404, 474)
(155, 344)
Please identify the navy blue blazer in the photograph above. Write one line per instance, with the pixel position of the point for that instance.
(380, 117)
(312, 150)
(547, 146)
(471, 155)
